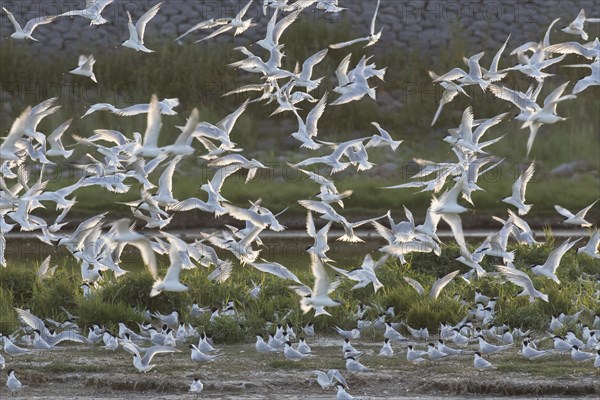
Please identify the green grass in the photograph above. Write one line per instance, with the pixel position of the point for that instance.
(122, 299)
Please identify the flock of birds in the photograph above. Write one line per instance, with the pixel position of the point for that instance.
(114, 161)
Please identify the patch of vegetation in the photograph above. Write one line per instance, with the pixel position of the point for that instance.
(123, 299)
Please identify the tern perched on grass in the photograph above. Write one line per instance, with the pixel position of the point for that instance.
(12, 383)
(136, 32)
(26, 33)
(480, 363)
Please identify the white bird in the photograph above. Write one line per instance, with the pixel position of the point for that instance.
(364, 275)
(517, 198)
(352, 365)
(196, 386)
(531, 353)
(12, 349)
(263, 347)
(386, 349)
(171, 281)
(548, 269)
(480, 363)
(523, 280)
(432, 352)
(342, 394)
(237, 22)
(142, 364)
(26, 33)
(199, 356)
(276, 269)
(576, 26)
(371, 39)
(12, 383)
(122, 234)
(383, 139)
(416, 356)
(307, 131)
(591, 80)
(165, 107)
(320, 292)
(591, 248)
(303, 347)
(575, 219)
(488, 348)
(92, 11)
(436, 288)
(292, 354)
(210, 23)
(451, 90)
(85, 67)
(392, 334)
(136, 32)
(327, 380)
(348, 334)
(578, 355)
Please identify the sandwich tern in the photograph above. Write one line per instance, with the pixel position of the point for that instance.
(27, 32)
(136, 32)
(575, 219)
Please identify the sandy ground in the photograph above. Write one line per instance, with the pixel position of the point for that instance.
(78, 372)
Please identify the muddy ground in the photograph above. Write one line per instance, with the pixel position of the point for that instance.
(78, 372)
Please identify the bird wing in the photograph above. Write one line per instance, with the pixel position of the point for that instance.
(283, 24)
(517, 277)
(556, 255)
(416, 285)
(276, 269)
(308, 65)
(222, 272)
(140, 25)
(321, 286)
(215, 33)
(525, 178)
(563, 211)
(33, 23)
(243, 11)
(348, 43)
(153, 123)
(152, 351)
(30, 319)
(310, 226)
(314, 115)
(189, 128)
(496, 60)
(229, 121)
(133, 34)
(12, 19)
(372, 28)
(148, 256)
(581, 214)
(441, 283)
(17, 130)
(335, 374)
